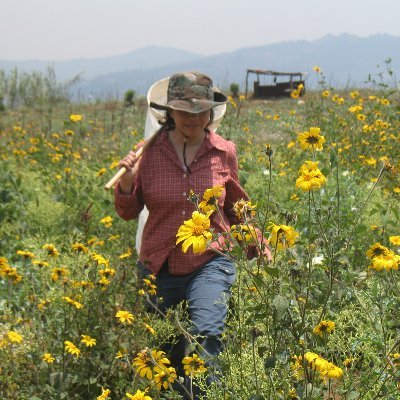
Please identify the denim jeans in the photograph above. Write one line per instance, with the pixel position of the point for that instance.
(207, 292)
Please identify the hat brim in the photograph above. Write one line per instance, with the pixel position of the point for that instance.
(193, 106)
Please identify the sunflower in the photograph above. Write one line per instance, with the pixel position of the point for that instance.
(310, 177)
(47, 357)
(394, 240)
(164, 377)
(311, 139)
(324, 327)
(377, 250)
(139, 395)
(79, 248)
(282, 236)
(193, 365)
(244, 209)
(388, 261)
(143, 364)
(51, 250)
(210, 197)
(88, 341)
(148, 360)
(124, 316)
(71, 348)
(195, 232)
(243, 232)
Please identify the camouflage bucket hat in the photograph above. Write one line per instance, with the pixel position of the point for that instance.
(192, 92)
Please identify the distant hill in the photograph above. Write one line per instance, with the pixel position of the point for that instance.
(145, 58)
(346, 61)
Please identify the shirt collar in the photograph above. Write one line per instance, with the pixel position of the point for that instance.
(212, 140)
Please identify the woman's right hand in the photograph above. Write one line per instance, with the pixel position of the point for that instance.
(131, 163)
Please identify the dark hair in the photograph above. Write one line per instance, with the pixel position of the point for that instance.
(168, 122)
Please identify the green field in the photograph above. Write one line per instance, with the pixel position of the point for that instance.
(318, 321)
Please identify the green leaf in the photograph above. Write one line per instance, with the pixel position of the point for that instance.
(272, 271)
(281, 306)
(353, 395)
(92, 381)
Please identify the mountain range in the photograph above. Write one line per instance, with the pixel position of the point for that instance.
(345, 60)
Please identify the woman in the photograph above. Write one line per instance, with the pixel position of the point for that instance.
(185, 156)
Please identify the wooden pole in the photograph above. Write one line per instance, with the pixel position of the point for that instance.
(139, 153)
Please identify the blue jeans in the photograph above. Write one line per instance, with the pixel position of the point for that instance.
(207, 292)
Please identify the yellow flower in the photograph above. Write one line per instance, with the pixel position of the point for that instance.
(164, 377)
(294, 197)
(89, 341)
(149, 286)
(126, 255)
(210, 197)
(354, 94)
(47, 357)
(79, 248)
(56, 273)
(310, 177)
(143, 364)
(325, 368)
(51, 250)
(244, 209)
(388, 261)
(107, 221)
(139, 395)
(325, 93)
(243, 232)
(99, 259)
(193, 365)
(75, 117)
(317, 69)
(14, 337)
(282, 236)
(43, 304)
(71, 348)
(291, 144)
(74, 303)
(124, 317)
(324, 327)
(104, 394)
(40, 263)
(147, 360)
(150, 329)
(120, 354)
(394, 240)
(101, 172)
(107, 272)
(311, 139)
(377, 250)
(195, 232)
(25, 254)
(370, 161)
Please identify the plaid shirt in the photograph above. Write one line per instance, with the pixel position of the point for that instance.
(163, 186)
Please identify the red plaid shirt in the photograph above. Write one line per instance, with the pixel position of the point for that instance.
(163, 186)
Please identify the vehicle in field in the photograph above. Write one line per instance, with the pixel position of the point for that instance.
(270, 84)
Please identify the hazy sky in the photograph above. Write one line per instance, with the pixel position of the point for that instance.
(64, 29)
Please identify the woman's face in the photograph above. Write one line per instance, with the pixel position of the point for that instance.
(190, 125)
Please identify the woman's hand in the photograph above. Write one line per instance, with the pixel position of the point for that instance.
(131, 163)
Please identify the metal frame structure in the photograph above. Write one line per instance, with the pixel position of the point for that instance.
(278, 89)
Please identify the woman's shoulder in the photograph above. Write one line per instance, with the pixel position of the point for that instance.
(222, 144)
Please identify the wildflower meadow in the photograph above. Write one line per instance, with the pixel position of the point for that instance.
(314, 314)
